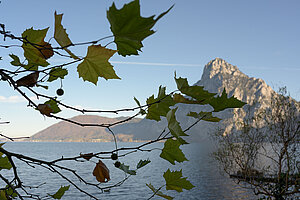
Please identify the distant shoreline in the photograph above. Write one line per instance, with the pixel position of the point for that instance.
(69, 141)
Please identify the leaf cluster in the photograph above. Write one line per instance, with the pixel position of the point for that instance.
(129, 29)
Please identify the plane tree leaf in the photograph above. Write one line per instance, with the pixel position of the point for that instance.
(10, 192)
(16, 60)
(174, 126)
(222, 102)
(3, 195)
(142, 111)
(96, 64)
(126, 169)
(129, 28)
(159, 106)
(196, 92)
(7, 193)
(87, 156)
(29, 80)
(56, 73)
(42, 86)
(60, 193)
(36, 50)
(175, 181)
(171, 152)
(4, 163)
(48, 107)
(142, 163)
(101, 172)
(53, 106)
(206, 116)
(44, 109)
(178, 98)
(61, 36)
(158, 193)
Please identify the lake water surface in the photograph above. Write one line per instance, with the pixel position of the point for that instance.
(201, 170)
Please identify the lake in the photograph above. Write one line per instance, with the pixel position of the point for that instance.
(202, 171)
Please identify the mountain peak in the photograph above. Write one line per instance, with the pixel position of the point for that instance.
(218, 74)
(219, 67)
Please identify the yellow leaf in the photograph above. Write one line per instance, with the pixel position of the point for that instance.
(96, 64)
(101, 172)
(61, 36)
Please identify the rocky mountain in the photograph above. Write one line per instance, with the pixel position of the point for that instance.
(217, 75)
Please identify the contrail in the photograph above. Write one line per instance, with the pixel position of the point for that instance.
(156, 64)
(199, 65)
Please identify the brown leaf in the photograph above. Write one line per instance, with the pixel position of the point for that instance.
(87, 156)
(46, 50)
(101, 172)
(29, 80)
(45, 109)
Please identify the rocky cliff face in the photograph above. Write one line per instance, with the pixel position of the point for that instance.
(217, 75)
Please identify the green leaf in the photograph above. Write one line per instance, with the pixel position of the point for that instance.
(142, 111)
(4, 163)
(96, 64)
(10, 192)
(174, 126)
(175, 181)
(196, 92)
(129, 28)
(60, 192)
(2, 195)
(222, 102)
(137, 101)
(162, 107)
(61, 36)
(56, 73)
(42, 86)
(16, 60)
(142, 163)
(171, 152)
(31, 67)
(159, 193)
(53, 105)
(206, 116)
(126, 169)
(36, 51)
(178, 98)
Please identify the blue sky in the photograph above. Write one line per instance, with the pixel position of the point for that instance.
(260, 37)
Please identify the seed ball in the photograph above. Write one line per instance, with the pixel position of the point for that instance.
(60, 92)
(117, 164)
(114, 156)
